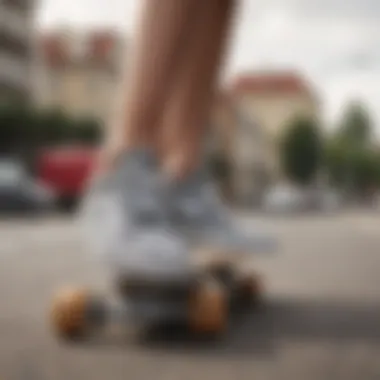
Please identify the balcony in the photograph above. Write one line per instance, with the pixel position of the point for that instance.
(16, 27)
(19, 5)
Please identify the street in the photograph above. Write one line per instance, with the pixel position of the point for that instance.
(320, 318)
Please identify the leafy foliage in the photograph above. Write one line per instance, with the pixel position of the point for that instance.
(352, 162)
(24, 127)
(301, 150)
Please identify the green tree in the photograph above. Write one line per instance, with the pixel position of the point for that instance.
(88, 131)
(54, 127)
(356, 125)
(364, 169)
(351, 162)
(335, 161)
(352, 167)
(16, 126)
(301, 149)
(7, 131)
(25, 129)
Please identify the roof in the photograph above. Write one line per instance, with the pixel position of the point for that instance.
(101, 45)
(53, 50)
(270, 83)
(95, 47)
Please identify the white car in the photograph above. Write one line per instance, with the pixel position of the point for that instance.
(284, 199)
(290, 199)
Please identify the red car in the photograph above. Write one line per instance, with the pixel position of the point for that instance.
(66, 171)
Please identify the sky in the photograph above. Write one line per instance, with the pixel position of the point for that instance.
(334, 43)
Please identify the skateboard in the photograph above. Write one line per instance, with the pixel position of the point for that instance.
(204, 301)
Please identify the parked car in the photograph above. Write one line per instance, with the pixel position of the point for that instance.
(66, 171)
(285, 198)
(21, 193)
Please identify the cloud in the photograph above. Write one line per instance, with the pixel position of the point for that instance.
(334, 42)
(89, 13)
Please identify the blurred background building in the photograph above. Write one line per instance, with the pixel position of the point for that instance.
(79, 72)
(252, 113)
(17, 39)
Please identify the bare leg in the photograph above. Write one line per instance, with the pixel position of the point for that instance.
(163, 24)
(122, 212)
(122, 204)
(194, 206)
(185, 120)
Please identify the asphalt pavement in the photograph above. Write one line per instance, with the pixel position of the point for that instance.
(320, 318)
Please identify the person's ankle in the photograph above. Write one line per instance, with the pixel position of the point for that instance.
(179, 165)
(109, 155)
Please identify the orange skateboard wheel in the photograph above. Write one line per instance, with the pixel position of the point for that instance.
(68, 312)
(208, 308)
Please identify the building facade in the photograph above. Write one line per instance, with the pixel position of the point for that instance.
(274, 99)
(17, 33)
(264, 104)
(80, 73)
